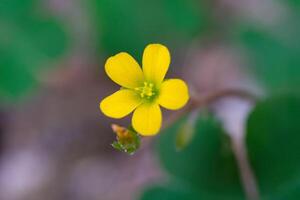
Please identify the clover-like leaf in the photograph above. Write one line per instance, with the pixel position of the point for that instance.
(170, 192)
(273, 145)
(207, 162)
(29, 42)
(130, 25)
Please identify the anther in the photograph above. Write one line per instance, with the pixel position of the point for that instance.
(146, 91)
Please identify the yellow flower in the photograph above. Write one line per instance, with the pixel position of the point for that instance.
(143, 90)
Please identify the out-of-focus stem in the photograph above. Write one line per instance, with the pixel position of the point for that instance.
(247, 176)
(198, 102)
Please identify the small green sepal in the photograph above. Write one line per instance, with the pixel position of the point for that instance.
(127, 140)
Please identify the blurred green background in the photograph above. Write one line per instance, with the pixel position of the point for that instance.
(55, 143)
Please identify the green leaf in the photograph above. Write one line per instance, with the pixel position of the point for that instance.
(29, 42)
(169, 193)
(291, 193)
(178, 190)
(275, 60)
(186, 132)
(207, 163)
(15, 9)
(47, 36)
(15, 80)
(131, 25)
(184, 136)
(273, 143)
(292, 3)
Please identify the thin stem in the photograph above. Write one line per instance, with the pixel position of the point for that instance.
(247, 176)
(208, 100)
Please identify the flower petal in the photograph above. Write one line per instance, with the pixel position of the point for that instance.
(156, 61)
(120, 103)
(124, 70)
(147, 119)
(174, 94)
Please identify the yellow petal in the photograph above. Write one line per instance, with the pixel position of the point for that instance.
(147, 119)
(120, 103)
(156, 61)
(124, 70)
(174, 94)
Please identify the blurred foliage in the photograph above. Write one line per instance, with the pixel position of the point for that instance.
(293, 3)
(185, 134)
(273, 52)
(29, 41)
(207, 164)
(198, 156)
(273, 144)
(170, 192)
(131, 25)
(206, 168)
(274, 60)
(291, 193)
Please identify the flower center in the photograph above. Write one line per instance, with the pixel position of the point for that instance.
(146, 91)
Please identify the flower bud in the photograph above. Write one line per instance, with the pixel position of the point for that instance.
(127, 141)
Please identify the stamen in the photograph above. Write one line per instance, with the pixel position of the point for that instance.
(146, 91)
